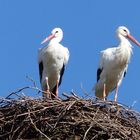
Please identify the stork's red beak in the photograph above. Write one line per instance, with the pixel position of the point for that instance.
(133, 40)
(47, 39)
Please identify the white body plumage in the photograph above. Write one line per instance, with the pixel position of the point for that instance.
(53, 59)
(114, 63)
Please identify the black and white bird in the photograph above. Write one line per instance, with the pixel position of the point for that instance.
(52, 60)
(113, 64)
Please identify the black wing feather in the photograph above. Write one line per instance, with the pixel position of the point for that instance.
(124, 74)
(99, 71)
(61, 75)
(40, 70)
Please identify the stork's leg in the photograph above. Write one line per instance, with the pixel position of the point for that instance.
(48, 88)
(116, 94)
(57, 85)
(104, 92)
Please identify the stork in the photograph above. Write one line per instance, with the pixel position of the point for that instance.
(52, 60)
(113, 64)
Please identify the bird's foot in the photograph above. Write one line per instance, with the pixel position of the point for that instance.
(104, 99)
(115, 99)
(47, 91)
(57, 85)
(56, 93)
(116, 94)
(104, 93)
(47, 94)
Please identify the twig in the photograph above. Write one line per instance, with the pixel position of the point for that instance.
(84, 91)
(37, 128)
(31, 79)
(70, 105)
(91, 125)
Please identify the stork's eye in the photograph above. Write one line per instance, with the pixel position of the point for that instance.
(56, 32)
(125, 30)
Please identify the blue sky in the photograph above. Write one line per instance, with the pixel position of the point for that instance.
(89, 27)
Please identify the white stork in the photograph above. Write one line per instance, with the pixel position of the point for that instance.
(113, 64)
(52, 60)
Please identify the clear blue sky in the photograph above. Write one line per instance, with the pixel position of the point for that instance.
(89, 27)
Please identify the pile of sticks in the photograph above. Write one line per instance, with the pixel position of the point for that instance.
(70, 118)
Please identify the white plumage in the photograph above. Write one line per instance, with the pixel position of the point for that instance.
(52, 60)
(113, 64)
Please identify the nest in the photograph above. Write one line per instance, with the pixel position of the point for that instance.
(71, 118)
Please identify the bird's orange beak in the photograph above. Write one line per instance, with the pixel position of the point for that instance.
(47, 39)
(133, 39)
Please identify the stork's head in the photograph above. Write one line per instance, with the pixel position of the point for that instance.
(55, 36)
(123, 32)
